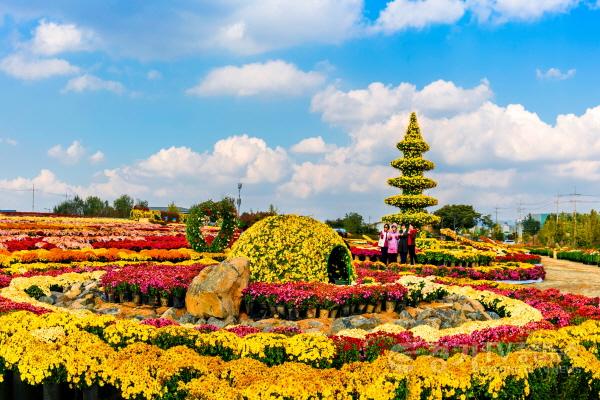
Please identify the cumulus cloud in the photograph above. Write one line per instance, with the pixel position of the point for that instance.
(312, 145)
(555, 74)
(587, 170)
(50, 38)
(24, 67)
(378, 101)
(69, 155)
(87, 82)
(399, 15)
(74, 153)
(97, 157)
(272, 77)
(238, 157)
(501, 11)
(8, 141)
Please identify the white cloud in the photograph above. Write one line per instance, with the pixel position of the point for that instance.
(234, 158)
(309, 179)
(312, 145)
(153, 75)
(399, 15)
(555, 74)
(27, 68)
(378, 102)
(483, 179)
(88, 82)
(50, 38)
(501, 11)
(97, 157)
(70, 155)
(587, 170)
(253, 27)
(272, 77)
(8, 141)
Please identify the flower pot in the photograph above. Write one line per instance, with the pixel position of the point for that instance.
(137, 299)
(51, 391)
(361, 308)
(311, 313)
(121, 297)
(280, 310)
(110, 297)
(179, 302)
(164, 301)
(333, 313)
(390, 306)
(22, 390)
(90, 393)
(155, 300)
(323, 313)
(345, 311)
(370, 308)
(293, 314)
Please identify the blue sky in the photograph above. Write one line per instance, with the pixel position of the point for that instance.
(301, 101)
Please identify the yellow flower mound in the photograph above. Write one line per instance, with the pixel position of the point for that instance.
(287, 248)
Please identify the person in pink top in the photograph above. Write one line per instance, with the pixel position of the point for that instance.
(412, 242)
(392, 238)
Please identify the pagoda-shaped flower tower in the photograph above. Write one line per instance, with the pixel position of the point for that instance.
(412, 202)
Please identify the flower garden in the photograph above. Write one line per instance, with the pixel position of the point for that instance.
(96, 309)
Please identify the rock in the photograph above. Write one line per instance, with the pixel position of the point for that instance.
(427, 313)
(91, 286)
(73, 293)
(405, 315)
(493, 315)
(171, 313)
(433, 322)
(221, 323)
(468, 308)
(405, 323)
(412, 311)
(315, 324)
(340, 324)
(188, 318)
(80, 304)
(217, 290)
(47, 299)
(361, 322)
(109, 311)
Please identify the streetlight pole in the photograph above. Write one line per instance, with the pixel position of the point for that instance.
(239, 199)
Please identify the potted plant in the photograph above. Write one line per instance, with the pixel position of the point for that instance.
(179, 297)
(164, 298)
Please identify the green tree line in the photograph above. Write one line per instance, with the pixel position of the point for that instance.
(583, 230)
(94, 206)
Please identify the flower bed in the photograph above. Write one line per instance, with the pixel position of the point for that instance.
(305, 297)
(512, 271)
(146, 283)
(520, 257)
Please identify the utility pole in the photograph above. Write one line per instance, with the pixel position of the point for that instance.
(239, 199)
(556, 225)
(575, 194)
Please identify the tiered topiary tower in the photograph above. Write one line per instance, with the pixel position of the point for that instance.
(412, 202)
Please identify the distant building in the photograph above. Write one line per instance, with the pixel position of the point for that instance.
(8, 211)
(541, 218)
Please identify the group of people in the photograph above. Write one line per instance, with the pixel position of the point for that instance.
(393, 242)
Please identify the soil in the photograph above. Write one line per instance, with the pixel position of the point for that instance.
(571, 277)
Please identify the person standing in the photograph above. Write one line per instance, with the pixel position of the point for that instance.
(412, 241)
(393, 237)
(403, 243)
(383, 243)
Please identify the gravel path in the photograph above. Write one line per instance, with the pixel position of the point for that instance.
(571, 277)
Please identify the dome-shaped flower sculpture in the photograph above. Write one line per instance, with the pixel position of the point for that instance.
(412, 202)
(288, 248)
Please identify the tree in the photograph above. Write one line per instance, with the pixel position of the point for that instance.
(93, 206)
(172, 208)
(531, 226)
(75, 206)
(141, 205)
(352, 222)
(497, 233)
(458, 216)
(123, 206)
(412, 202)
(487, 221)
